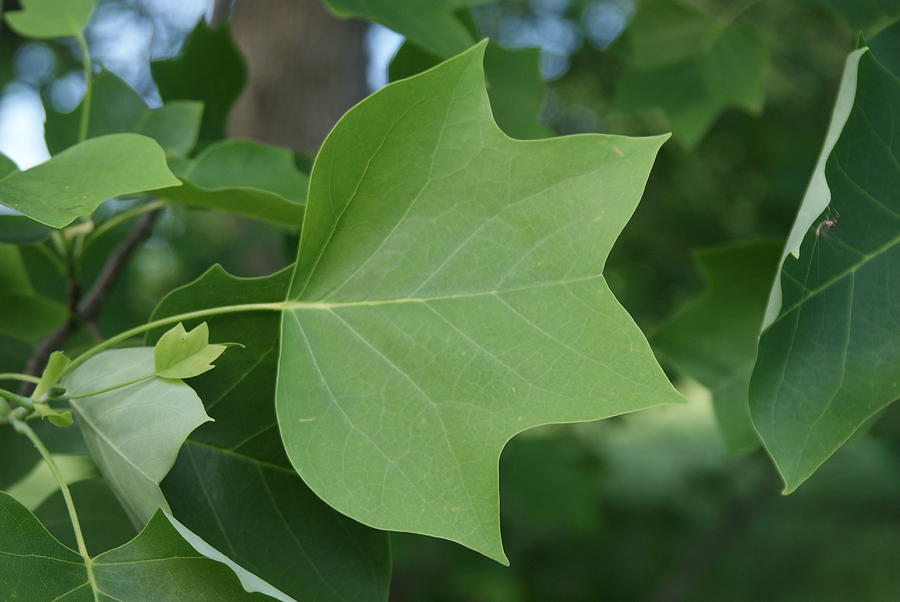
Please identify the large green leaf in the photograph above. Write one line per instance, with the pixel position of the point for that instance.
(429, 23)
(448, 295)
(71, 184)
(829, 357)
(163, 562)
(244, 177)
(700, 68)
(233, 484)
(117, 108)
(713, 337)
(210, 69)
(134, 432)
(514, 80)
(45, 19)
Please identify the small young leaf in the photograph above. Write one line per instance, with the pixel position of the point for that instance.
(52, 373)
(46, 19)
(133, 432)
(182, 354)
(76, 181)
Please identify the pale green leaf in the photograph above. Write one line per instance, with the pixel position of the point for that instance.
(429, 23)
(211, 70)
(45, 19)
(290, 538)
(182, 354)
(244, 177)
(116, 108)
(722, 68)
(133, 432)
(829, 357)
(713, 337)
(53, 371)
(448, 295)
(70, 184)
(163, 562)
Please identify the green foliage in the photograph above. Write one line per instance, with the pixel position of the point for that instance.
(159, 563)
(64, 188)
(46, 19)
(829, 357)
(713, 337)
(702, 66)
(246, 178)
(116, 108)
(233, 484)
(453, 353)
(26, 315)
(211, 70)
(182, 354)
(133, 432)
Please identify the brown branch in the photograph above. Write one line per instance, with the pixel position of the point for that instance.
(85, 310)
(698, 559)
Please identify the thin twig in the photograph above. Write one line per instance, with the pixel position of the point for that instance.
(85, 310)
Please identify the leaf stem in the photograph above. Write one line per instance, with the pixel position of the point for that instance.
(123, 217)
(111, 388)
(16, 399)
(17, 376)
(88, 87)
(23, 428)
(211, 311)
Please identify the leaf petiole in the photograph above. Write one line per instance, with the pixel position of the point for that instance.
(111, 388)
(18, 376)
(23, 429)
(88, 86)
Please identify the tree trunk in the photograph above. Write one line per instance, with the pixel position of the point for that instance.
(306, 68)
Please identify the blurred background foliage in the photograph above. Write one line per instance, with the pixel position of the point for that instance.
(640, 507)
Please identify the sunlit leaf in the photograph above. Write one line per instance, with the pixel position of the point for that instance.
(45, 19)
(448, 295)
(182, 354)
(69, 185)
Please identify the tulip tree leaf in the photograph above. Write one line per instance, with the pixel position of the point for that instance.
(46, 19)
(26, 315)
(21, 230)
(448, 294)
(431, 24)
(183, 354)
(116, 108)
(713, 337)
(211, 70)
(829, 357)
(514, 80)
(163, 562)
(134, 432)
(244, 177)
(233, 484)
(69, 185)
(7, 166)
(693, 80)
